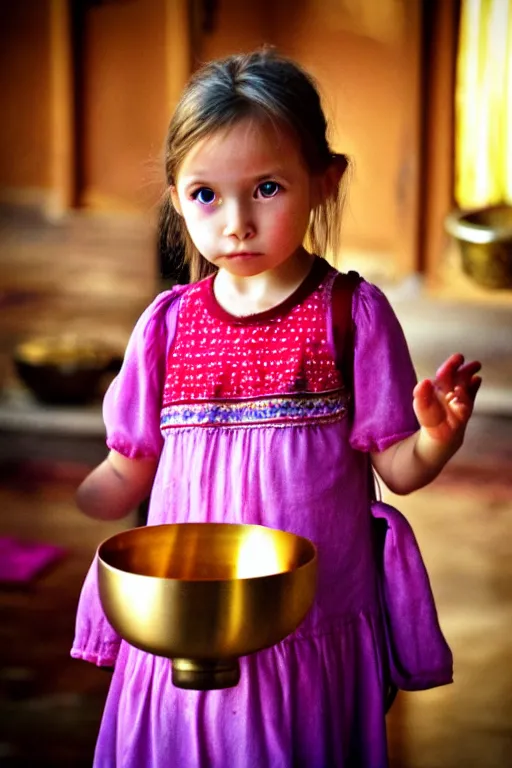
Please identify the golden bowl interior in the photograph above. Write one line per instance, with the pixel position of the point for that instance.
(205, 551)
(65, 350)
(206, 592)
(498, 218)
(482, 226)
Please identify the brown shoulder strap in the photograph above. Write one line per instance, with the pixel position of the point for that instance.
(343, 334)
(342, 325)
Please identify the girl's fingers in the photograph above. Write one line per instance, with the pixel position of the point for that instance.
(446, 378)
(427, 407)
(459, 396)
(438, 405)
(466, 374)
(424, 390)
(465, 393)
(474, 386)
(460, 404)
(468, 370)
(474, 366)
(455, 372)
(447, 370)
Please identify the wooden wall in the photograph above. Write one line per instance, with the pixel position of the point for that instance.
(25, 86)
(99, 145)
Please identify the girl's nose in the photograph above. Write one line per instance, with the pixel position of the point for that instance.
(239, 222)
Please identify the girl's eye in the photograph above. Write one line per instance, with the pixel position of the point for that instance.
(269, 188)
(204, 195)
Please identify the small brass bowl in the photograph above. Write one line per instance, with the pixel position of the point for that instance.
(64, 370)
(204, 594)
(485, 240)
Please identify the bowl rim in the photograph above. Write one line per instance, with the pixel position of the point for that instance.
(478, 234)
(313, 560)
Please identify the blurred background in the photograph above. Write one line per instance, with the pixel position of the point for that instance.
(419, 94)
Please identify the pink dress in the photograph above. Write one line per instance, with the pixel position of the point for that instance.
(253, 425)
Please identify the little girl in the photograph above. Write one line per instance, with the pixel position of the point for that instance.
(231, 406)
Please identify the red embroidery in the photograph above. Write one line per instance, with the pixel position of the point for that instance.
(215, 356)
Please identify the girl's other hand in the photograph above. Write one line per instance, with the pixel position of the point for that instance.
(443, 406)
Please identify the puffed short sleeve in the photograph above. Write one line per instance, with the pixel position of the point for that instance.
(384, 376)
(132, 404)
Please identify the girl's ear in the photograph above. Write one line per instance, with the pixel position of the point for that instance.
(333, 176)
(175, 199)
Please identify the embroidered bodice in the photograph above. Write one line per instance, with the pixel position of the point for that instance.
(279, 365)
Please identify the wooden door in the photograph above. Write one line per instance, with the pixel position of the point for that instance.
(130, 59)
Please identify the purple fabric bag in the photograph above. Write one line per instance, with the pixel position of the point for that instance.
(418, 655)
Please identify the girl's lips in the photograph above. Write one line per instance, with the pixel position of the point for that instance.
(244, 255)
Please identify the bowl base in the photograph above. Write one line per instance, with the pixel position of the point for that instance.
(201, 675)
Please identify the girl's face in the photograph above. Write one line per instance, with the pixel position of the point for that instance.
(246, 196)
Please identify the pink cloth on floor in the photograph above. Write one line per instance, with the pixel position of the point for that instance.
(21, 561)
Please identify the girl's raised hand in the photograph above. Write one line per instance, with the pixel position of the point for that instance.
(443, 405)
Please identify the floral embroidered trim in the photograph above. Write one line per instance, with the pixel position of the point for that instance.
(290, 409)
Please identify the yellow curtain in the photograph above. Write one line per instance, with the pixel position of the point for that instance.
(483, 129)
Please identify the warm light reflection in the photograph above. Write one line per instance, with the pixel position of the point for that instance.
(143, 597)
(483, 134)
(259, 555)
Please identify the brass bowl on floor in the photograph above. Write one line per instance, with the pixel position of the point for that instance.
(64, 370)
(485, 240)
(204, 594)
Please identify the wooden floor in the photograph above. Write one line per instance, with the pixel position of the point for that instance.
(50, 705)
(97, 277)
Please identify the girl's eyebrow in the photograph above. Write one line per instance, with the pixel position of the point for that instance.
(202, 177)
(279, 173)
(196, 178)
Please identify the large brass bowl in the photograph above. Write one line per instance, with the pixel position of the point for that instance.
(204, 594)
(485, 240)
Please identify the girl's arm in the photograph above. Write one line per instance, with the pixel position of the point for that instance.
(116, 487)
(443, 408)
